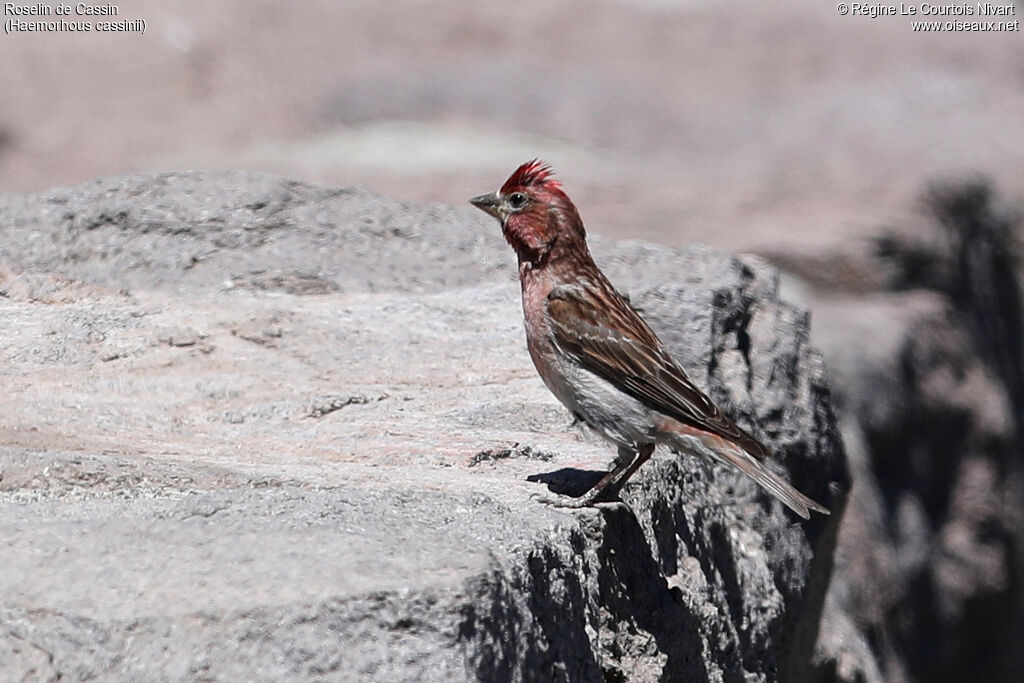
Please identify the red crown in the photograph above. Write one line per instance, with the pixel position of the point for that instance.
(534, 173)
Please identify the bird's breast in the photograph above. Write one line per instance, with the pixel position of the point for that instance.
(611, 412)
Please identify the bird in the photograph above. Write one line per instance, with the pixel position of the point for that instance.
(600, 358)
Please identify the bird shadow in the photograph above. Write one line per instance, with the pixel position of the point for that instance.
(568, 481)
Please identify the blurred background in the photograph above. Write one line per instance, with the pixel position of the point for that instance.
(756, 128)
(880, 167)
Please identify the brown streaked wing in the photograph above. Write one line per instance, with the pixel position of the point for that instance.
(597, 328)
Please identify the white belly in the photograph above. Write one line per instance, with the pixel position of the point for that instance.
(615, 415)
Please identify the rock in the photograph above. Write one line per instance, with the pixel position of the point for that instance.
(928, 381)
(333, 480)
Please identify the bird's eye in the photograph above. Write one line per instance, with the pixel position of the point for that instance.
(517, 200)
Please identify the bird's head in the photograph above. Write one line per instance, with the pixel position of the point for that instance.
(537, 218)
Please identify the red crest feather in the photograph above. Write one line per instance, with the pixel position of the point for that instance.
(534, 173)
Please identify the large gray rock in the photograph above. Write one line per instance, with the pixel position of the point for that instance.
(255, 429)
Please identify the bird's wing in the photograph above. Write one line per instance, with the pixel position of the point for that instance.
(596, 327)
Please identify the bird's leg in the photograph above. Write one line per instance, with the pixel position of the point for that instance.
(643, 454)
(607, 489)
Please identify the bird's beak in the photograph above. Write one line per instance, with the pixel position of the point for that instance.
(488, 203)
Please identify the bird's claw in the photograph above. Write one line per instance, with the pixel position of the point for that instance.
(589, 499)
(558, 501)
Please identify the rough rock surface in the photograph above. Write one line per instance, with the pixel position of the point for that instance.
(261, 430)
(929, 378)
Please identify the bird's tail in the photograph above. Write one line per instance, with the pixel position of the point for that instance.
(725, 451)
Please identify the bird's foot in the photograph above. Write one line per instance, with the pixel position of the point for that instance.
(589, 499)
(558, 501)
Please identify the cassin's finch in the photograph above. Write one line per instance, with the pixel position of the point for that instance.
(599, 357)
